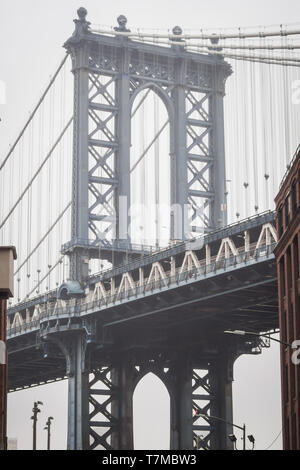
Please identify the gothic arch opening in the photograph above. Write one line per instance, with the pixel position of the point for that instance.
(151, 414)
(150, 170)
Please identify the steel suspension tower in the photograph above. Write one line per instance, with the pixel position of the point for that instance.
(109, 73)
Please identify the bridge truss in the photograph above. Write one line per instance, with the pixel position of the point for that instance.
(153, 310)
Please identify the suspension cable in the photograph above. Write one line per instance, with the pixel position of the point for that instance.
(34, 111)
(140, 102)
(149, 146)
(44, 237)
(239, 35)
(43, 278)
(248, 46)
(268, 60)
(273, 442)
(37, 172)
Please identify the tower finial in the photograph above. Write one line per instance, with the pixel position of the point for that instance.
(122, 21)
(82, 12)
(177, 31)
(176, 39)
(215, 41)
(81, 25)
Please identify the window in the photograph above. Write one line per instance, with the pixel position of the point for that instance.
(290, 324)
(294, 197)
(280, 221)
(282, 276)
(289, 267)
(287, 210)
(296, 256)
(283, 326)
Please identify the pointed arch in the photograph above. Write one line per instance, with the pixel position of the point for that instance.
(157, 273)
(161, 93)
(190, 261)
(151, 413)
(267, 233)
(37, 312)
(99, 292)
(126, 283)
(18, 320)
(151, 163)
(227, 249)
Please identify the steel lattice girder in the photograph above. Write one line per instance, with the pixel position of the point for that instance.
(104, 389)
(109, 74)
(102, 146)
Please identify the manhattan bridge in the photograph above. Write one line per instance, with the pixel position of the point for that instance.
(139, 195)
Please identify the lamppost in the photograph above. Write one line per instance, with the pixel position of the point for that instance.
(35, 410)
(232, 437)
(244, 333)
(47, 427)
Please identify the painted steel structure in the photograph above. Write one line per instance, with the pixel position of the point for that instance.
(161, 311)
(109, 73)
(3, 374)
(288, 256)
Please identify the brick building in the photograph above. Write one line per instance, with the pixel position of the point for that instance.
(288, 268)
(7, 256)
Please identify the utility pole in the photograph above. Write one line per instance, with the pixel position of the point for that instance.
(244, 437)
(232, 437)
(7, 256)
(47, 427)
(35, 410)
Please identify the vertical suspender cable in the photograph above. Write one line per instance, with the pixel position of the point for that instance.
(254, 133)
(246, 138)
(33, 113)
(156, 170)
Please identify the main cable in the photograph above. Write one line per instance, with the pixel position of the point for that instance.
(34, 111)
(36, 173)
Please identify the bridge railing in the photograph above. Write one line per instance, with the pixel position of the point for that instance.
(178, 246)
(75, 308)
(172, 250)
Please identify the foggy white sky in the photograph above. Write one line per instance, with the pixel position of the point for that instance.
(31, 36)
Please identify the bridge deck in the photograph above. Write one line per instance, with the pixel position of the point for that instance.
(187, 305)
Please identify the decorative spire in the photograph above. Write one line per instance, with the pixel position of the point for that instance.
(177, 31)
(81, 25)
(122, 21)
(215, 41)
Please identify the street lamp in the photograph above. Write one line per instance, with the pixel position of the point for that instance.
(47, 427)
(252, 440)
(35, 410)
(244, 333)
(231, 436)
(233, 439)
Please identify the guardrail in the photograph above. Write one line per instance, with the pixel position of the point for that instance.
(168, 251)
(80, 306)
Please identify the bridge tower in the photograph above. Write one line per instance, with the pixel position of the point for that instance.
(109, 72)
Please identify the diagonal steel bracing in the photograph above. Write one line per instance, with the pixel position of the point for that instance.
(109, 74)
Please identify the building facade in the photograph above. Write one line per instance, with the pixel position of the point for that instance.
(288, 268)
(12, 443)
(7, 256)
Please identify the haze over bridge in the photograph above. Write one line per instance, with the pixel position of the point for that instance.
(153, 309)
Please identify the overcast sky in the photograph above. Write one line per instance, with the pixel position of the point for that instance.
(31, 35)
